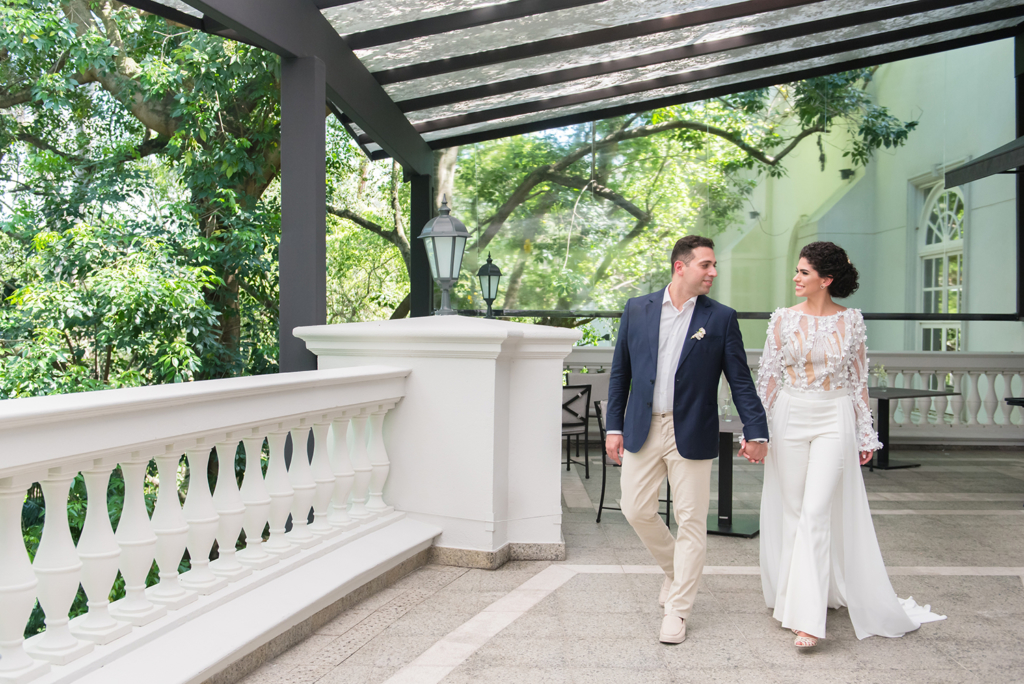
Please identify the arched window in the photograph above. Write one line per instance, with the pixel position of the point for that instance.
(942, 268)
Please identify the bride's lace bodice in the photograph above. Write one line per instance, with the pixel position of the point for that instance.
(818, 354)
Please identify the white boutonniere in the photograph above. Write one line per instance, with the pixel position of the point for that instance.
(699, 335)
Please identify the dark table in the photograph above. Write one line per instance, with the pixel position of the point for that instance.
(724, 522)
(884, 395)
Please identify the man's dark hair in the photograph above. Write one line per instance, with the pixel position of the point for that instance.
(683, 251)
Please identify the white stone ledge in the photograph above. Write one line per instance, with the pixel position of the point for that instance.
(40, 433)
(195, 643)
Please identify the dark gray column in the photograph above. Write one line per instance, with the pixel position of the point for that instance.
(302, 258)
(421, 210)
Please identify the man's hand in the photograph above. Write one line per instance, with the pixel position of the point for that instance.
(613, 447)
(755, 452)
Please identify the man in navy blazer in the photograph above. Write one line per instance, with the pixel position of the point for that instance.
(673, 346)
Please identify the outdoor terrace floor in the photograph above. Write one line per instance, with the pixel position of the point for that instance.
(951, 533)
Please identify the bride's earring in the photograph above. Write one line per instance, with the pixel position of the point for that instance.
(822, 287)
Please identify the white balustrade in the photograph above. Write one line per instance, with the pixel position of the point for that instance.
(17, 589)
(256, 500)
(171, 531)
(300, 476)
(137, 541)
(99, 553)
(203, 521)
(363, 469)
(227, 501)
(58, 570)
(52, 439)
(377, 457)
(324, 479)
(344, 475)
(281, 493)
(977, 415)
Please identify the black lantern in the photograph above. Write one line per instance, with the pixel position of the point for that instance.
(444, 237)
(489, 275)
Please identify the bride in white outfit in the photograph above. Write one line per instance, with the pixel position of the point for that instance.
(818, 545)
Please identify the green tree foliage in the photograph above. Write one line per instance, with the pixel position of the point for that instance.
(583, 217)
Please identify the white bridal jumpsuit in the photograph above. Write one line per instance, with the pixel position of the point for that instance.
(818, 545)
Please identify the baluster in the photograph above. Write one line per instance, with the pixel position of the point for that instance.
(171, 531)
(227, 501)
(137, 540)
(58, 570)
(893, 405)
(17, 589)
(941, 403)
(324, 479)
(991, 400)
(100, 554)
(257, 507)
(280, 497)
(925, 402)
(957, 400)
(203, 521)
(344, 476)
(973, 398)
(362, 468)
(379, 463)
(1015, 417)
(1000, 415)
(300, 475)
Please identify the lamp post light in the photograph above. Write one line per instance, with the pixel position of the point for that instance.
(444, 237)
(489, 275)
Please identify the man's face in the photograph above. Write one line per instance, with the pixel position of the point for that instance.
(700, 273)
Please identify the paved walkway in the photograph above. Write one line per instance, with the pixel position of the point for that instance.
(950, 532)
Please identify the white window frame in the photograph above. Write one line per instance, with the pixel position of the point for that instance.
(943, 250)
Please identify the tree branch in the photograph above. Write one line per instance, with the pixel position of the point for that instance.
(365, 223)
(601, 191)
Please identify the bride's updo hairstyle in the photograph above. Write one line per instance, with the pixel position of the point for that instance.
(830, 260)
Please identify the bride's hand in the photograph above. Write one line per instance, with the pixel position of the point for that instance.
(866, 456)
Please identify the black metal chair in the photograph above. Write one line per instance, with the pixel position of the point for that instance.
(599, 414)
(576, 423)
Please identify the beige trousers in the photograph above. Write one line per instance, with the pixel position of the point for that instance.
(682, 556)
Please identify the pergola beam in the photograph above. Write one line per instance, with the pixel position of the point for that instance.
(768, 62)
(586, 39)
(731, 89)
(457, 21)
(296, 28)
(691, 51)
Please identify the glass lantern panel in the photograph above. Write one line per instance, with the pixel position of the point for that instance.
(431, 256)
(460, 247)
(443, 247)
(489, 286)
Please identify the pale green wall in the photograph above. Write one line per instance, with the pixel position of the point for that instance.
(964, 103)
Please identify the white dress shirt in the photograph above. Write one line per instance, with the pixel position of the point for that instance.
(671, 337)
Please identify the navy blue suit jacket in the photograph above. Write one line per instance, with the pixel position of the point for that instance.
(701, 364)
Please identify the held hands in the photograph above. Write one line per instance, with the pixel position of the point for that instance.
(754, 452)
(613, 447)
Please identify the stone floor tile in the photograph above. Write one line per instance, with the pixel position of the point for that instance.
(635, 652)
(508, 675)
(618, 675)
(515, 652)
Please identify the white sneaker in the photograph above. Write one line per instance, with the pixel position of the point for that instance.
(666, 587)
(673, 630)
